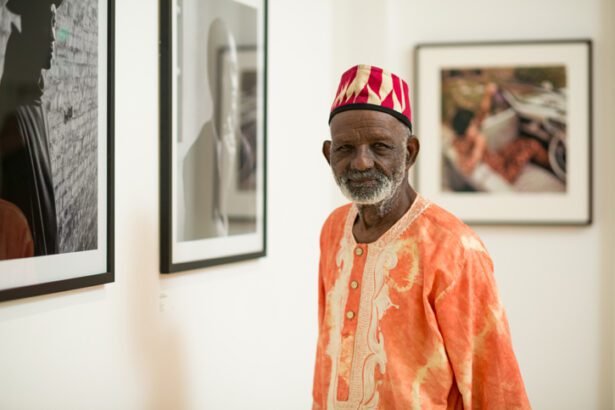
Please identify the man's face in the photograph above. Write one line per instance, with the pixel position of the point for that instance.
(39, 26)
(370, 154)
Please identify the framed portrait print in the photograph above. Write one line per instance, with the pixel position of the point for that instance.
(56, 145)
(505, 130)
(213, 142)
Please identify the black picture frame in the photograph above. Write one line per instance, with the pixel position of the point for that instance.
(171, 135)
(97, 258)
(516, 204)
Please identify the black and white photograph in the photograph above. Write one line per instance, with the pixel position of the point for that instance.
(213, 132)
(55, 139)
(511, 130)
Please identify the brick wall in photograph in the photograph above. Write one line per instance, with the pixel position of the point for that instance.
(71, 101)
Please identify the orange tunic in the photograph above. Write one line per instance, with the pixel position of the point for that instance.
(413, 320)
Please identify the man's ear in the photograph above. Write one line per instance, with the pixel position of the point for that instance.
(412, 147)
(326, 151)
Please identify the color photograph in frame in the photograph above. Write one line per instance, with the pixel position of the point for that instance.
(213, 132)
(505, 130)
(56, 146)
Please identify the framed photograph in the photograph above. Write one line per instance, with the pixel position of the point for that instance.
(505, 130)
(213, 132)
(56, 145)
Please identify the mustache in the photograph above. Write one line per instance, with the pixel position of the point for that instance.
(355, 175)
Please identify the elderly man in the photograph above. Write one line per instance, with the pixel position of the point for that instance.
(409, 314)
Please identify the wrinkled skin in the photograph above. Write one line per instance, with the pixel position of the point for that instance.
(367, 149)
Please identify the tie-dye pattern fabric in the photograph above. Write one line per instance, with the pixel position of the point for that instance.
(413, 320)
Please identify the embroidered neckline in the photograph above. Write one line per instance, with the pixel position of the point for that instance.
(368, 354)
(419, 205)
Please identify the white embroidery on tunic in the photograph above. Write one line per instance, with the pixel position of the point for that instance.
(375, 305)
(336, 303)
(369, 353)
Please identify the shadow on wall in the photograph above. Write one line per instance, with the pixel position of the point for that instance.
(157, 343)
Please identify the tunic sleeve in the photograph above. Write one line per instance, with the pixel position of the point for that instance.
(317, 391)
(321, 294)
(477, 338)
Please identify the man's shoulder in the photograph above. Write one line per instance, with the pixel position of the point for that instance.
(334, 224)
(338, 215)
(444, 226)
(451, 241)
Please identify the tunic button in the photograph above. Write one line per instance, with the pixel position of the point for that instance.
(354, 284)
(358, 251)
(350, 314)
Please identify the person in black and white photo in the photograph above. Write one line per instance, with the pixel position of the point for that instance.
(26, 172)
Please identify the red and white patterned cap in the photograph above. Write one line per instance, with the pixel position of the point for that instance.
(365, 87)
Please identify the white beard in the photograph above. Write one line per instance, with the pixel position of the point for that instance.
(386, 189)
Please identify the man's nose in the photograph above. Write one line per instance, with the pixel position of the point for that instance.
(52, 33)
(363, 159)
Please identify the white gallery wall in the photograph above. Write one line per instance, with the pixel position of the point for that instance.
(242, 336)
(233, 337)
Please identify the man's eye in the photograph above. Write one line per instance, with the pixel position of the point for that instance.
(342, 148)
(380, 145)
